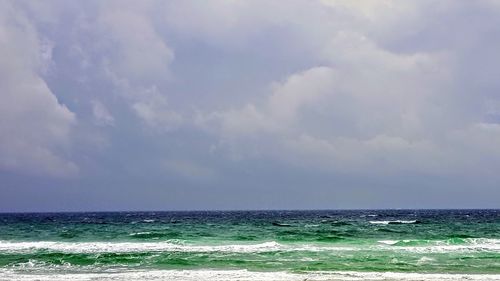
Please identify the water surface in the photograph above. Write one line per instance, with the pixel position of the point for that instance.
(252, 245)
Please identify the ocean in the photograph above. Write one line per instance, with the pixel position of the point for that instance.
(252, 245)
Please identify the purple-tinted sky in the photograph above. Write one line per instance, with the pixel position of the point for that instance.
(167, 105)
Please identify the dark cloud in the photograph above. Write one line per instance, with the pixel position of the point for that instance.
(248, 104)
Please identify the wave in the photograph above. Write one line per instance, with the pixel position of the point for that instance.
(124, 247)
(243, 275)
(340, 223)
(281, 224)
(417, 246)
(396, 222)
(149, 235)
(449, 245)
(450, 241)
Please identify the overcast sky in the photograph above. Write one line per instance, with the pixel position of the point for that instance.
(180, 105)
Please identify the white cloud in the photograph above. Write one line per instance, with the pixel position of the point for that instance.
(132, 55)
(137, 52)
(34, 126)
(365, 88)
(101, 113)
(235, 25)
(280, 111)
(349, 97)
(154, 110)
(368, 108)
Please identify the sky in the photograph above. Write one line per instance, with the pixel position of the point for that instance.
(234, 104)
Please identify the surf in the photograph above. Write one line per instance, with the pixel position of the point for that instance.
(242, 275)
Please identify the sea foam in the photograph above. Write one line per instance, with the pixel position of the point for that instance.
(394, 222)
(431, 246)
(124, 247)
(241, 275)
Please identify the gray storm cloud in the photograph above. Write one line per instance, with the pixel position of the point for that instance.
(211, 103)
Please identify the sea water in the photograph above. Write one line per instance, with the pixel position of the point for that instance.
(252, 245)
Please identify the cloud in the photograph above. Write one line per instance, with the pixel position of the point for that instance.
(34, 126)
(137, 53)
(116, 45)
(381, 154)
(264, 91)
(368, 108)
(280, 111)
(102, 115)
(138, 62)
(154, 110)
(189, 170)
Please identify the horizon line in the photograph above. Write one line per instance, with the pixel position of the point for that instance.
(249, 210)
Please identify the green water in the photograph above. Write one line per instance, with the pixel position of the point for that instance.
(464, 242)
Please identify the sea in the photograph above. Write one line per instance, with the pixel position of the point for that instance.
(252, 245)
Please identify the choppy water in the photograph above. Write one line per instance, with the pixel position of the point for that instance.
(254, 245)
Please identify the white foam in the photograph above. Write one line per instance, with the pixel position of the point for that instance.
(389, 242)
(452, 248)
(140, 233)
(121, 247)
(241, 275)
(445, 246)
(394, 222)
(425, 260)
(437, 246)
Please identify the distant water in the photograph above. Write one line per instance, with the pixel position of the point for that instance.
(253, 245)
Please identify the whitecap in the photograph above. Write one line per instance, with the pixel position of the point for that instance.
(425, 260)
(241, 275)
(437, 246)
(445, 246)
(125, 247)
(388, 242)
(140, 233)
(394, 222)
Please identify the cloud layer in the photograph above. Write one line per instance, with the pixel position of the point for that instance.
(250, 100)
(34, 126)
